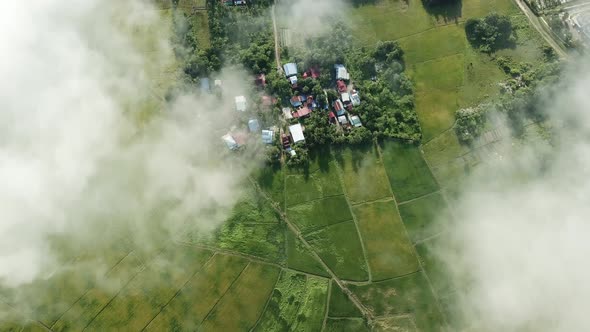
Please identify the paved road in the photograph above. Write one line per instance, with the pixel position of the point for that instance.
(539, 26)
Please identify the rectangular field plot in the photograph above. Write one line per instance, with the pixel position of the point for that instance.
(363, 173)
(302, 188)
(347, 325)
(240, 307)
(340, 248)
(190, 307)
(408, 172)
(310, 315)
(407, 295)
(299, 258)
(389, 250)
(319, 213)
(271, 180)
(434, 267)
(341, 305)
(434, 43)
(297, 304)
(426, 216)
(81, 313)
(145, 296)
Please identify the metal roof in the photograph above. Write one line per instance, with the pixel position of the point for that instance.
(297, 133)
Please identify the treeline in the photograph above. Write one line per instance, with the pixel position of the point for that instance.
(491, 33)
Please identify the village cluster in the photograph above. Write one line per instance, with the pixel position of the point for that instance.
(339, 112)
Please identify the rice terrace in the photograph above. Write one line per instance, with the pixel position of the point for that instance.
(347, 161)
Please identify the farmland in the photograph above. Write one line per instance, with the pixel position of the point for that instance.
(346, 240)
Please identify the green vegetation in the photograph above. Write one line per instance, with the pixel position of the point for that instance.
(491, 33)
(208, 286)
(470, 123)
(299, 258)
(305, 185)
(389, 250)
(408, 173)
(407, 295)
(320, 213)
(346, 325)
(340, 247)
(340, 304)
(244, 301)
(425, 216)
(363, 173)
(311, 314)
(437, 272)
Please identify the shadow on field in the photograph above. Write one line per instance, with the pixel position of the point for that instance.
(447, 10)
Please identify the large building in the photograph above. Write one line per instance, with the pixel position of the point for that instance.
(296, 133)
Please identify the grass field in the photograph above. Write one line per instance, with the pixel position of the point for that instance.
(311, 314)
(340, 304)
(410, 294)
(346, 325)
(425, 216)
(409, 175)
(300, 259)
(302, 187)
(209, 285)
(150, 290)
(389, 250)
(363, 174)
(320, 213)
(340, 247)
(244, 301)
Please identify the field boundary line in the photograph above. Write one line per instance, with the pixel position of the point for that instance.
(227, 252)
(365, 283)
(312, 200)
(437, 58)
(431, 237)
(267, 301)
(197, 271)
(89, 289)
(113, 298)
(422, 196)
(306, 233)
(222, 295)
(24, 317)
(328, 297)
(434, 294)
(356, 224)
(378, 200)
(366, 312)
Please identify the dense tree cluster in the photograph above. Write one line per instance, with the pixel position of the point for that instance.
(439, 2)
(491, 33)
(470, 123)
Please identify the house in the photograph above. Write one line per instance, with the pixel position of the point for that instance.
(312, 72)
(293, 81)
(234, 2)
(241, 103)
(355, 121)
(217, 83)
(339, 107)
(332, 117)
(205, 86)
(253, 125)
(296, 133)
(343, 120)
(260, 80)
(345, 97)
(286, 142)
(296, 101)
(287, 113)
(341, 73)
(302, 112)
(354, 97)
(230, 142)
(290, 69)
(268, 136)
(341, 86)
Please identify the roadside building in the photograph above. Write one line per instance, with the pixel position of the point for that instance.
(355, 121)
(354, 97)
(345, 97)
(241, 103)
(296, 101)
(341, 86)
(230, 142)
(205, 86)
(343, 120)
(339, 107)
(290, 69)
(296, 133)
(268, 136)
(341, 72)
(253, 125)
(302, 112)
(287, 113)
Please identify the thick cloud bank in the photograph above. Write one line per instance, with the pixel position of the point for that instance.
(521, 236)
(77, 79)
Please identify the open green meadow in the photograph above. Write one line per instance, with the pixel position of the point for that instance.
(320, 213)
(389, 251)
(425, 216)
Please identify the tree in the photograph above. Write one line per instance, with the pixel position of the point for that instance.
(490, 33)
(470, 123)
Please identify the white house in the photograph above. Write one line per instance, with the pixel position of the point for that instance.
(341, 73)
(268, 136)
(241, 103)
(356, 100)
(296, 133)
(290, 69)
